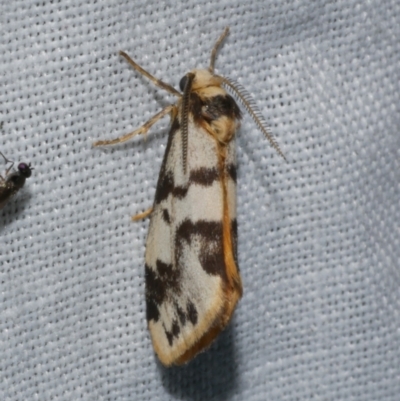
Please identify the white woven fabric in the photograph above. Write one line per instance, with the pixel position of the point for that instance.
(319, 237)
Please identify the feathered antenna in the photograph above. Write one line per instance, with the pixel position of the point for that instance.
(185, 117)
(247, 101)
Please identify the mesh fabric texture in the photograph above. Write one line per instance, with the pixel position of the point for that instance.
(319, 237)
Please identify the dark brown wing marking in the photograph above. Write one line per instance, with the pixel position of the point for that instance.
(165, 183)
(212, 108)
(158, 284)
(209, 235)
(204, 176)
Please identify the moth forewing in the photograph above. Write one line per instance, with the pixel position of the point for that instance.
(192, 277)
(189, 252)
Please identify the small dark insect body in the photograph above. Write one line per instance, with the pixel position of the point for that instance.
(13, 182)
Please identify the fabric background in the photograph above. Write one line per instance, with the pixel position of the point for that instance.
(319, 237)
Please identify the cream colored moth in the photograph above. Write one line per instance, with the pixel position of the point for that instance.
(191, 270)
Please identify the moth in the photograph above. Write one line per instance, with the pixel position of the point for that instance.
(191, 267)
(13, 182)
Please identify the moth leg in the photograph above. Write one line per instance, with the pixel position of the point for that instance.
(153, 79)
(142, 130)
(141, 216)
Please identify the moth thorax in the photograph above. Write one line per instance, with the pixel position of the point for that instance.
(204, 79)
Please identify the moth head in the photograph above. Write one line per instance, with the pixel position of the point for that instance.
(201, 79)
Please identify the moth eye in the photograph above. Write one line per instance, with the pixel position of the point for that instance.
(182, 83)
